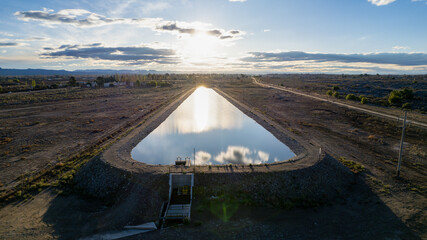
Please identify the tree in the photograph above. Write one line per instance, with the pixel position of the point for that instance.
(138, 83)
(363, 100)
(100, 81)
(72, 82)
(33, 83)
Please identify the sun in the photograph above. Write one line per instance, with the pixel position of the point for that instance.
(200, 48)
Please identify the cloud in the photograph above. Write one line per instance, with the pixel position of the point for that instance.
(8, 44)
(400, 47)
(263, 156)
(402, 59)
(154, 7)
(241, 155)
(267, 30)
(174, 27)
(203, 158)
(6, 34)
(237, 0)
(128, 55)
(381, 2)
(84, 18)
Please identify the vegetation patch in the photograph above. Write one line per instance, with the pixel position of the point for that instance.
(352, 165)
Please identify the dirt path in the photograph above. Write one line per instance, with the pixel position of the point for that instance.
(375, 113)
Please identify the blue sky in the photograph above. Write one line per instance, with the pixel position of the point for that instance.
(253, 36)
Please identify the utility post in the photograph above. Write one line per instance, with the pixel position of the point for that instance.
(194, 165)
(401, 145)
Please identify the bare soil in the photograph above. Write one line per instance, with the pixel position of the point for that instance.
(58, 125)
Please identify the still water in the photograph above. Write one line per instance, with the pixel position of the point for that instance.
(220, 133)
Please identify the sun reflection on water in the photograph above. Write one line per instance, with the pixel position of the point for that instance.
(201, 109)
(199, 113)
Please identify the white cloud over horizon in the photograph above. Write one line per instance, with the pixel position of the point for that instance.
(381, 2)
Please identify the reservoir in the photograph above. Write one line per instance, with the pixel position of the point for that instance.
(218, 131)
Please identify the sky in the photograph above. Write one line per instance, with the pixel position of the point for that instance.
(224, 36)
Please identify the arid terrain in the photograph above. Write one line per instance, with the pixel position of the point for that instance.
(39, 135)
(43, 128)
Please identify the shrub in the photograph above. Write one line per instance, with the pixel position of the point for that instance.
(352, 165)
(336, 95)
(164, 84)
(329, 92)
(363, 100)
(395, 97)
(406, 106)
(335, 88)
(351, 97)
(407, 93)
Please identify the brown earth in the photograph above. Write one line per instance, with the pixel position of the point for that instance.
(369, 205)
(42, 134)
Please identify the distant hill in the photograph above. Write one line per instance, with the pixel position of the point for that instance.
(38, 72)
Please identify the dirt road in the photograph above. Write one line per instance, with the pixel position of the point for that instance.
(375, 113)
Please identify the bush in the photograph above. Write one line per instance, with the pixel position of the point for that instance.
(406, 106)
(152, 84)
(351, 97)
(164, 84)
(336, 95)
(335, 88)
(395, 97)
(363, 100)
(352, 165)
(407, 93)
(329, 92)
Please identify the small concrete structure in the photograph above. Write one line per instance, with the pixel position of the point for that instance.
(180, 196)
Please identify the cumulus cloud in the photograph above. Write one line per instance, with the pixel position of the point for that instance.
(241, 155)
(128, 55)
(381, 2)
(84, 18)
(203, 158)
(402, 59)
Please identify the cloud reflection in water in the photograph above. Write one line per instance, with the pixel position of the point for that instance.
(219, 132)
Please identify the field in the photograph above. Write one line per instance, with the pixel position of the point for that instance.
(376, 88)
(43, 129)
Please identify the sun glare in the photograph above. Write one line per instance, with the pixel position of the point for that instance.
(200, 48)
(201, 109)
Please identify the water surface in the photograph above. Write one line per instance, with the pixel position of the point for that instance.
(220, 133)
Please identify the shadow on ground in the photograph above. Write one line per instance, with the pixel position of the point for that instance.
(360, 214)
(357, 214)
